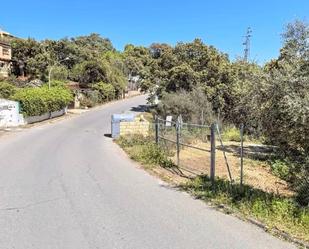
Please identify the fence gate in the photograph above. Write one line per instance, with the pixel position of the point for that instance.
(192, 147)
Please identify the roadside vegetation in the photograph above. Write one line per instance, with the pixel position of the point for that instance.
(142, 150)
(37, 101)
(202, 85)
(276, 211)
(90, 62)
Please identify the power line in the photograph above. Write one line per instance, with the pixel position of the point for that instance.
(247, 44)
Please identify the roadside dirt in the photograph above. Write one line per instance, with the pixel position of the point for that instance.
(256, 172)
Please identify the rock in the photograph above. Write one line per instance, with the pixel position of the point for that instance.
(35, 83)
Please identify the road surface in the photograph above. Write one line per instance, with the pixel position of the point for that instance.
(67, 186)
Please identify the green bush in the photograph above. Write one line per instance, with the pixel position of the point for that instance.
(106, 91)
(231, 134)
(280, 169)
(91, 98)
(58, 83)
(37, 101)
(60, 73)
(6, 90)
(192, 106)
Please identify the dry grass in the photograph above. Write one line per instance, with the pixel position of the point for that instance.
(256, 173)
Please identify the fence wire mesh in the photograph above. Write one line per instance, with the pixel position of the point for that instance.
(188, 145)
(202, 149)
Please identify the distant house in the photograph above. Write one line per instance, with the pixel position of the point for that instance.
(5, 54)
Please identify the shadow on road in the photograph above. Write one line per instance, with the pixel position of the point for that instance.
(140, 108)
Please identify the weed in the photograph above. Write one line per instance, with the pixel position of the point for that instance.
(232, 134)
(280, 168)
(273, 210)
(142, 149)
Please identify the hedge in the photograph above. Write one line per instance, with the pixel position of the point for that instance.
(6, 90)
(37, 101)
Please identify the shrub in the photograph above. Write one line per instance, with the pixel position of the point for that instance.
(231, 134)
(106, 91)
(91, 98)
(37, 101)
(280, 169)
(6, 90)
(60, 73)
(192, 106)
(58, 83)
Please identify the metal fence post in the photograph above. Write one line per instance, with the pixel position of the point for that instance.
(241, 154)
(212, 153)
(178, 139)
(157, 129)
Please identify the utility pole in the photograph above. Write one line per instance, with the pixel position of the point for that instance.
(247, 44)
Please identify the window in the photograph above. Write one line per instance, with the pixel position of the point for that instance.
(5, 52)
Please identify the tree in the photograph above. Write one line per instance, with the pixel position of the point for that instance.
(29, 57)
(181, 77)
(285, 109)
(117, 71)
(33, 58)
(138, 62)
(192, 106)
(93, 45)
(89, 72)
(285, 106)
(243, 104)
(106, 91)
(187, 66)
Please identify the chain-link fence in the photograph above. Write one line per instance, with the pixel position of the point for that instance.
(222, 152)
(191, 146)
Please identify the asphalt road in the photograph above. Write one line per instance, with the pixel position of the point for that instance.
(66, 185)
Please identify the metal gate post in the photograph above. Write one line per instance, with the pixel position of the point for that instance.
(241, 154)
(178, 140)
(157, 130)
(213, 153)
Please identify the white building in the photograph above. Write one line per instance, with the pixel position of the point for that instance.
(9, 113)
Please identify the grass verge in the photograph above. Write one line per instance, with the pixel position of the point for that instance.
(142, 150)
(275, 211)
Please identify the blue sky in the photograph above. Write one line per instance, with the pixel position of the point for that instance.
(219, 23)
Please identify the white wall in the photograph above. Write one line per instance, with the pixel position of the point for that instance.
(9, 113)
